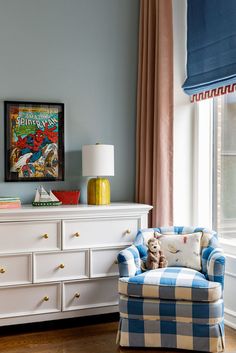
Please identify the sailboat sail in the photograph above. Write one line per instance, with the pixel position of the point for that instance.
(37, 196)
(42, 198)
(53, 197)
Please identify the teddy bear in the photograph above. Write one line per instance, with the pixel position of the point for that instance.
(155, 257)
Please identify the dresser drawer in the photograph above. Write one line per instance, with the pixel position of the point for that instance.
(96, 232)
(22, 236)
(28, 300)
(15, 269)
(103, 262)
(59, 266)
(90, 294)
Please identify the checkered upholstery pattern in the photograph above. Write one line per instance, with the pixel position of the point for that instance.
(174, 307)
(215, 264)
(171, 334)
(171, 310)
(129, 262)
(171, 283)
(213, 260)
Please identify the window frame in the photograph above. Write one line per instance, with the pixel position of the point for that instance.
(203, 134)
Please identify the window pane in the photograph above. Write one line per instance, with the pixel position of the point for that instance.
(228, 187)
(229, 123)
(224, 190)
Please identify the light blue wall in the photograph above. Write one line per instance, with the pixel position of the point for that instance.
(82, 53)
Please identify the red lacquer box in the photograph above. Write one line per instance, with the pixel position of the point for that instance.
(67, 197)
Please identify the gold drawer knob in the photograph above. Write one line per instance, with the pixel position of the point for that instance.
(77, 295)
(128, 231)
(2, 270)
(61, 266)
(116, 262)
(46, 299)
(45, 236)
(77, 234)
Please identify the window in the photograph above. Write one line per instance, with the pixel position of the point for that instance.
(224, 162)
(215, 175)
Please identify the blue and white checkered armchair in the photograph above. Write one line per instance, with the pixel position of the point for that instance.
(173, 307)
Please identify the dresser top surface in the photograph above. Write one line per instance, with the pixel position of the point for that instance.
(81, 210)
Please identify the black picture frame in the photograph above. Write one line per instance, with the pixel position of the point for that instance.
(34, 141)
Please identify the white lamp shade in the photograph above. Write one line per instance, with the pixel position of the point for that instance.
(98, 160)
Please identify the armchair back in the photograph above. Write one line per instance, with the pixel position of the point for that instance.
(212, 257)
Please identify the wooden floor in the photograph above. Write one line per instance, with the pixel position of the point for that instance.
(78, 337)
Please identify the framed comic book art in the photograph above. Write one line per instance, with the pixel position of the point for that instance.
(34, 141)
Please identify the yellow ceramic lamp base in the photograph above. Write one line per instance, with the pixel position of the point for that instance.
(98, 191)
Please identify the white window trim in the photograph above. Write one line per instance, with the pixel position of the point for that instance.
(202, 213)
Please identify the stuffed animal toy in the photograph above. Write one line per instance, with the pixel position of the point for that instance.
(155, 258)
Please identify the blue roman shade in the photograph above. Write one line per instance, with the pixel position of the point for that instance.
(211, 48)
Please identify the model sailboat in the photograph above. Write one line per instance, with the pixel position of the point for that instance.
(43, 198)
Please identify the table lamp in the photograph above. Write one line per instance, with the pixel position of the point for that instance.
(98, 161)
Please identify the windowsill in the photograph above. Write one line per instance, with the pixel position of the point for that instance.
(228, 245)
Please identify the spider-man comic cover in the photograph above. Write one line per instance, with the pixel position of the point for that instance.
(34, 142)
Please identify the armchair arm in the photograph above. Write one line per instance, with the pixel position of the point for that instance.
(213, 259)
(129, 262)
(216, 266)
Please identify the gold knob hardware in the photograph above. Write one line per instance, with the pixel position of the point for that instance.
(77, 234)
(46, 298)
(128, 231)
(2, 270)
(61, 266)
(45, 236)
(77, 295)
(116, 262)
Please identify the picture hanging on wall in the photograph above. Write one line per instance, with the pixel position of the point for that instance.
(34, 141)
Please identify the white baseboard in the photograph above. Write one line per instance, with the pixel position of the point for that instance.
(230, 324)
(230, 318)
(230, 283)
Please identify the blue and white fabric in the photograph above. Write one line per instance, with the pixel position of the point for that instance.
(190, 325)
(212, 258)
(129, 261)
(171, 310)
(171, 334)
(173, 307)
(172, 283)
(215, 264)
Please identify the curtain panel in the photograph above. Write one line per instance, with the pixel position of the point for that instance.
(211, 48)
(154, 134)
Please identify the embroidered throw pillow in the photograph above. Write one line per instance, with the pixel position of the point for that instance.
(182, 250)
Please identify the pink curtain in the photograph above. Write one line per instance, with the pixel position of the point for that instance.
(154, 134)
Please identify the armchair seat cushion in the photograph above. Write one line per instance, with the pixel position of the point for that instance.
(172, 283)
(171, 310)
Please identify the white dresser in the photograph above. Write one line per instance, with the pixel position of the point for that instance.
(60, 262)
